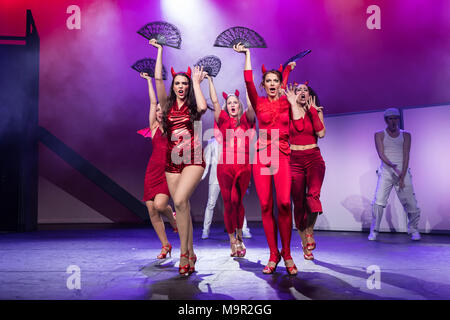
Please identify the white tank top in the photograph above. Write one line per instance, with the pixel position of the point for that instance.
(393, 149)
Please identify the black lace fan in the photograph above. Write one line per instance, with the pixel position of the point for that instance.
(296, 57)
(211, 64)
(234, 35)
(147, 65)
(166, 34)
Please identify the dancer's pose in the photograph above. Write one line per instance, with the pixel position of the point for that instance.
(393, 146)
(156, 192)
(184, 163)
(273, 117)
(234, 169)
(307, 165)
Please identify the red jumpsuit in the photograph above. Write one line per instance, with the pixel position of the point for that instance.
(155, 178)
(307, 167)
(273, 119)
(234, 170)
(184, 147)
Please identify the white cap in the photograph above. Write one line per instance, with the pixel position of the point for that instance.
(391, 112)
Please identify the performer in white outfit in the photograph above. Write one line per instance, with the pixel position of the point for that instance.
(211, 155)
(393, 146)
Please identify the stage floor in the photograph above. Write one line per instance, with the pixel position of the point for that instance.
(120, 263)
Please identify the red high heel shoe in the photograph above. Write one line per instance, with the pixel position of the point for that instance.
(268, 269)
(194, 259)
(307, 256)
(167, 250)
(184, 268)
(310, 245)
(292, 270)
(241, 253)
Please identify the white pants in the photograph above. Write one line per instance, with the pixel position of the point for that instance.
(213, 194)
(387, 180)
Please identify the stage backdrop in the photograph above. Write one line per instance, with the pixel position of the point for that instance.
(366, 55)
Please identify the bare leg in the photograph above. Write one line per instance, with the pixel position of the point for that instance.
(311, 221)
(181, 187)
(161, 205)
(157, 222)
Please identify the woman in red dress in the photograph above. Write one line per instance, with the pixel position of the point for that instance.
(233, 169)
(307, 165)
(272, 159)
(156, 192)
(182, 111)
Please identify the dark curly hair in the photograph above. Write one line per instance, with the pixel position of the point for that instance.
(190, 102)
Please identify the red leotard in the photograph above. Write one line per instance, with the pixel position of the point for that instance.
(234, 177)
(273, 115)
(184, 149)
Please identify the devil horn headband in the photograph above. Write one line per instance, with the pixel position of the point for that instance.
(188, 72)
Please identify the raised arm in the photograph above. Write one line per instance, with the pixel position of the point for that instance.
(286, 73)
(316, 115)
(153, 102)
(214, 99)
(248, 75)
(197, 78)
(159, 83)
(250, 114)
(298, 113)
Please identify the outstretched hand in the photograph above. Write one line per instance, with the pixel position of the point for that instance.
(290, 94)
(292, 64)
(154, 43)
(198, 74)
(312, 103)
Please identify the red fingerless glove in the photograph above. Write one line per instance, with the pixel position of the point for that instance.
(317, 123)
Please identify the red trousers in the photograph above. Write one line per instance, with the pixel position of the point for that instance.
(263, 182)
(233, 181)
(308, 171)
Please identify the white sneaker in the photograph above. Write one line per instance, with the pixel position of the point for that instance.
(415, 236)
(205, 235)
(372, 236)
(246, 234)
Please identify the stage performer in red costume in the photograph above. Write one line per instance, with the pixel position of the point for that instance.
(182, 111)
(156, 192)
(307, 165)
(233, 169)
(272, 159)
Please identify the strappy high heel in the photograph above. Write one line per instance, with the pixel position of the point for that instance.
(307, 256)
(292, 270)
(310, 245)
(241, 253)
(234, 251)
(184, 270)
(268, 269)
(194, 259)
(167, 250)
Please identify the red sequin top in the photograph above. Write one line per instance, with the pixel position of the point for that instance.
(236, 148)
(184, 147)
(271, 114)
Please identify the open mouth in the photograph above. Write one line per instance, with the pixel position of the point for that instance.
(272, 90)
(233, 110)
(180, 92)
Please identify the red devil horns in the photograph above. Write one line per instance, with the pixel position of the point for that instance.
(264, 70)
(306, 82)
(225, 95)
(188, 72)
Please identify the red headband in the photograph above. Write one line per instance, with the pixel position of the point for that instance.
(264, 70)
(225, 96)
(188, 72)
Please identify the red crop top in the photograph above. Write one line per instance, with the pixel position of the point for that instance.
(303, 131)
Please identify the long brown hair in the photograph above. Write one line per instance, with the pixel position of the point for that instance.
(190, 102)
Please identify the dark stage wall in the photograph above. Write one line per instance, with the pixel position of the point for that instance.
(91, 100)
